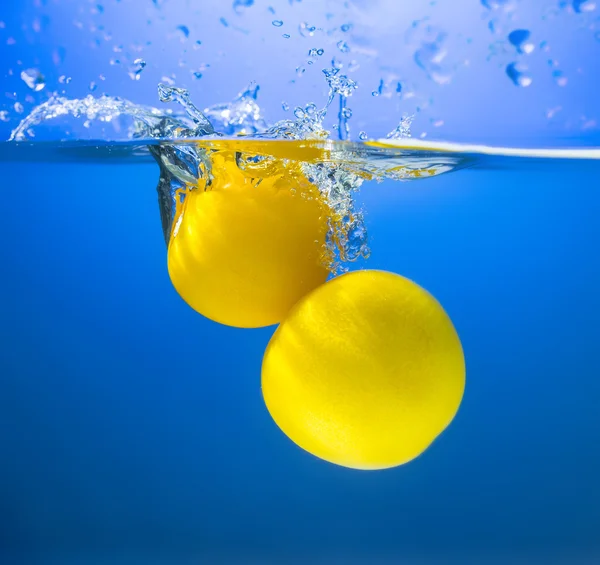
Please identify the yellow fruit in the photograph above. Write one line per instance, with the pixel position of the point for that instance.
(246, 249)
(365, 372)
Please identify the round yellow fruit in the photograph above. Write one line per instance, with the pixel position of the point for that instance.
(245, 250)
(365, 372)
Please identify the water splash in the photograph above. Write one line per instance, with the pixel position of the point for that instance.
(240, 117)
(402, 130)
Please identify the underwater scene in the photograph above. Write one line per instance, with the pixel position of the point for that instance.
(300, 282)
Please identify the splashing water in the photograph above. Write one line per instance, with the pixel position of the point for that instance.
(183, 139)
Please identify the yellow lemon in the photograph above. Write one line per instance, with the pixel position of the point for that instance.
(365, 372)
(246, 248)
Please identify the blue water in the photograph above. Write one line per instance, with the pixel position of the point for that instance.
(134, 431)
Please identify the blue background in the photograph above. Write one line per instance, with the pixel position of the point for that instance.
(133, 431)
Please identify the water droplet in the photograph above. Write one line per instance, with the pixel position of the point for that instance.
(34, 79)
(299, 112)
(584, 5)
(197, 74)
(277, 23)
(197, 44)
(224, 22)
(4, 116)
(300, 71)
(87, 124)
(363, 135)
(18, 108)
(136, 69)
(559, 78)
(310, 109)
(347, 113)
(167, 80)
(286, 36)
(240, 5)
(343, 46)
(519, 38)
(374, 93)
(517, 72)
(346, 27)
(92, 86)
(285, 106)
(184, 32)
(306, 30)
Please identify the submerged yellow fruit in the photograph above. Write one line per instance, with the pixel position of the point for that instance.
(365, 372)
(245, 250)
